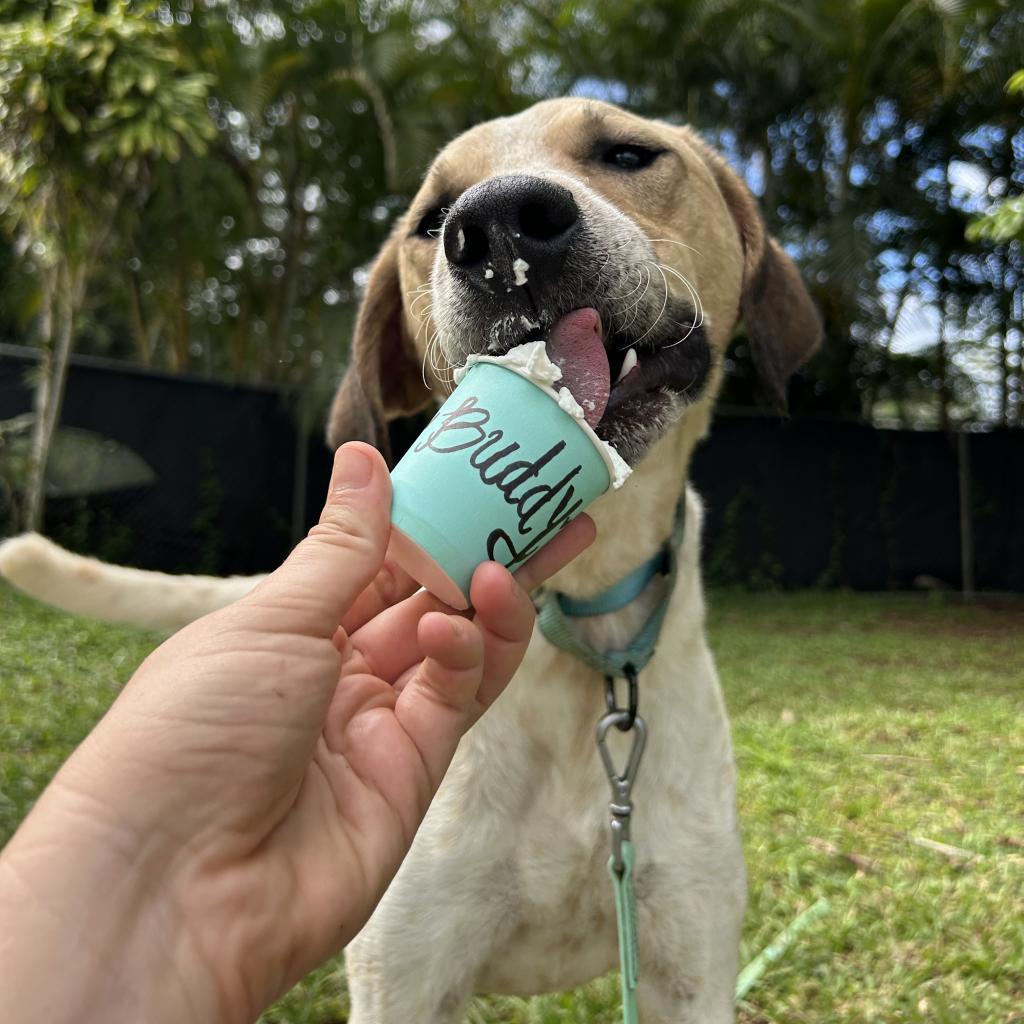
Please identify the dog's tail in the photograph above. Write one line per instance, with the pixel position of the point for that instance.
(87, 586)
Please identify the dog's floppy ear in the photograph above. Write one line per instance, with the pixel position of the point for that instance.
(782, 323)
(383, 379)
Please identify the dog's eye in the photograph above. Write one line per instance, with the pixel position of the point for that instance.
(629, 156)
(431, 222)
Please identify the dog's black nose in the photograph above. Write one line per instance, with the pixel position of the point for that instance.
(511, 231)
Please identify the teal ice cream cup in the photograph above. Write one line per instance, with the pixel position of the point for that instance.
(498, 471)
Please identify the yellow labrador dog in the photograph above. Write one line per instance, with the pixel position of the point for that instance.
(506, 887)
(571, 205)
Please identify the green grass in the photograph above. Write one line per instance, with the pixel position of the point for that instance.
(862, 723)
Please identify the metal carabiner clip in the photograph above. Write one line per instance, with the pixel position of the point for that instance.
(621, 806)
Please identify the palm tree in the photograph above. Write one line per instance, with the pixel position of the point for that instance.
(87, 98)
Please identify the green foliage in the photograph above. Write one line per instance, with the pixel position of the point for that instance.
(1003, 224)
(1005, 221)
(742, 516)
(209, 540)
(854, 123)
(92, 530)
(14, 472)
(90, 96)
(88, 92)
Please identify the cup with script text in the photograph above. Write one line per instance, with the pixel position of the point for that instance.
(497, 472)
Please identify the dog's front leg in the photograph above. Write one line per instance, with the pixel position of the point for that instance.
(417, 959)
(690, 950)
(665, 998)
(417, 973)
(420, 956)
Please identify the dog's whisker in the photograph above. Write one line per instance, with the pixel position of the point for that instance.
(423, 319)
(613, 250)
(633, 306)
(622, 310)
(427, 359)
(422, 313)
(646, 284)
(698, 318)
(442, 372)
(636, 305)
(615, 313)
(673, 241)
(639, 281)
(425, 287)
(423, 295)
(433, 351)
(698, 306)
(664, 305)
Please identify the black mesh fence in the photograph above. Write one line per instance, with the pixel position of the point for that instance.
(221, 457)
(793, 503)
(808, 502)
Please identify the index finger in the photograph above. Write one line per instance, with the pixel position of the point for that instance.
(391, 585)
(388, 642)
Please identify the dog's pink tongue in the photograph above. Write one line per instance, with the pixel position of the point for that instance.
(575, 347)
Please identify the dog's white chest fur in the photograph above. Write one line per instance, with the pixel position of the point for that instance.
(506, 888)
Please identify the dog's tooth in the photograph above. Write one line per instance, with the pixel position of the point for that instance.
(627, 364)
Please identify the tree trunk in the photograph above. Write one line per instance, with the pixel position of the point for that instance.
(882, 377)
(768, 200)
(179, 325)
(1016, 417)
(942, 368)
(288, 291)
(1006, 304)
(62, 294)
(38, 450)
(1006, 374)
(143, 335)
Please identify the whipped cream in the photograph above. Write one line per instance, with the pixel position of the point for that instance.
(531, 360)
(621, 469)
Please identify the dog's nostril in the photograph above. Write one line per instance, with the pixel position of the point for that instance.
(544, 220)
(506, 221)
(474, 246)
(465, 243)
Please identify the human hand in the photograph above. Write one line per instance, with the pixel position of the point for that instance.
(238, 813)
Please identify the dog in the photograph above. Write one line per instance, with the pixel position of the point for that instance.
(571, 204)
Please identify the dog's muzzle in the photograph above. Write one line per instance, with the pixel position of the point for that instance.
(509, 232)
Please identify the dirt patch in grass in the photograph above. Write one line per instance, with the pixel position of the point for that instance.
(988, 617)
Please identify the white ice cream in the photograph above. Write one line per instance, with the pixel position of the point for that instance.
(621, 469)
(531, 360)
(569, 404)
(519, 268)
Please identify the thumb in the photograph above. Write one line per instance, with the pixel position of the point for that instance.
(342, 554)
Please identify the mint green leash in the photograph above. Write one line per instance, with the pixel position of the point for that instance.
(625, 915)
(553, 612)
(620, 863)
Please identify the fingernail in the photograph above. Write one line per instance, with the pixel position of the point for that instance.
(352, 469)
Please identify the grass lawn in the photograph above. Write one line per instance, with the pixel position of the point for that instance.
(880, 741)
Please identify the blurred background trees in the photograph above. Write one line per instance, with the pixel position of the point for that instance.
(233, 242)
(90, 98)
